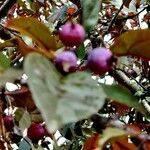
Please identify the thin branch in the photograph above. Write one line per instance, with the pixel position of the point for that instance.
(7, 4)
(115, 17)
(16, 59)
(124, 80)
(132, 78)
(131, 17)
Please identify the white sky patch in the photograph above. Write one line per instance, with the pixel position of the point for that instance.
(11, 87)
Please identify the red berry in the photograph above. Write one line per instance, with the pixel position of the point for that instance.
(8, 122)
(35, 132)
(99, 60)
(66, 61)
(71, 34)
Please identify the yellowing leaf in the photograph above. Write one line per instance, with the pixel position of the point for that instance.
(36, 30)
(25, 49)
(111, 133)
(134, 42)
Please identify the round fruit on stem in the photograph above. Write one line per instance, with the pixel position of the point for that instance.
(8, 122)
(100, 60)
(66, 61)
(35, 131)
(71, 34)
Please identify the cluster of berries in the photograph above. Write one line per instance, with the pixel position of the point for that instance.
(99, 62)
(72, 34)
(35, 131)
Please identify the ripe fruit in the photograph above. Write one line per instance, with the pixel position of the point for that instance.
(99, 60)
(8, 122)
(71, 34)
(66, 61)
(35, 132)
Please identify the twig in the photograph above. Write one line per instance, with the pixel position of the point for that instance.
(114, 18)
(132, 78)
(130, 17)
(16, 59)
(124, 80)
(7, 4)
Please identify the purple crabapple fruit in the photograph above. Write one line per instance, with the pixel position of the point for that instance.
(66, 61)
(99, 60)
(8, 122)
(35, 131)
(71, 34)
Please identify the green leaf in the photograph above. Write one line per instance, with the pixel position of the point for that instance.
(23, 117)
(18, 114)
(121, 95)
(81, 51)
(4, 62)
(61, 99)
(80, 93)
(90, 13)
(133, 42)
(36, 30)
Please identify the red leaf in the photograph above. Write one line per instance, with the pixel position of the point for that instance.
(133, 42)
(123, 144)
(135, 128)
(120, 108)
(22, 98)
(146, 146)
(92, 143)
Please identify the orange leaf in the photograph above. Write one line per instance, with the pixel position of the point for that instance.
(133, 42)
(25, 49)
(134, 128)
(123, 144)
(36, 30)
(146, 146)
(92, 143)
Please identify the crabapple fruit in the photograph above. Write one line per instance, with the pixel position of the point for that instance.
(66, 61)
(99, 60)
(71, 34)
